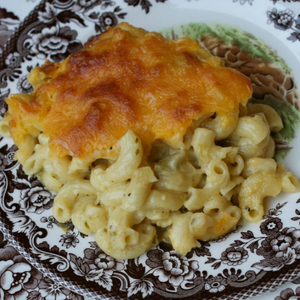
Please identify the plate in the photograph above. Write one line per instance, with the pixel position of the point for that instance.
(260, 39)
(11, 16)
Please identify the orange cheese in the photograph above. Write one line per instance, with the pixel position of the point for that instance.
(126, 78)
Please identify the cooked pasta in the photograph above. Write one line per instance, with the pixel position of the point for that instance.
(144, 139)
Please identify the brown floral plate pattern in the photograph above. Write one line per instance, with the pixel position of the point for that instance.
(260, 39)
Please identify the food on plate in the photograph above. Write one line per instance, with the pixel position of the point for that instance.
(144, 139)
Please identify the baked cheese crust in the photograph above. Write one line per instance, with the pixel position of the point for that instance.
(126, 78)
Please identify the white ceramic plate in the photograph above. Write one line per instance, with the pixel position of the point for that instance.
(260, 39)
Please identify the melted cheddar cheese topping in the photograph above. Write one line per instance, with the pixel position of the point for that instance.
(126, 78)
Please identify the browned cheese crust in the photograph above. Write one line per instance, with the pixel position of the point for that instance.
(126, 78)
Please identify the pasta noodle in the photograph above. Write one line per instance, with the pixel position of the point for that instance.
(134, 155)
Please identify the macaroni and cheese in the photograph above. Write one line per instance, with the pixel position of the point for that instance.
(143, 139)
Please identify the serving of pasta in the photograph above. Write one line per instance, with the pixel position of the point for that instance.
(145, 139)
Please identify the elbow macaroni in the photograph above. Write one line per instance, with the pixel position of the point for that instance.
(198, 192)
